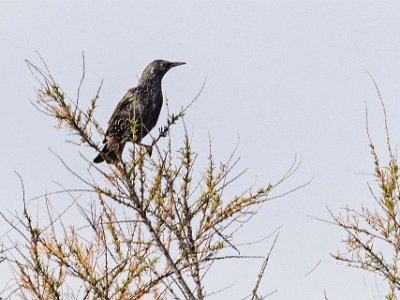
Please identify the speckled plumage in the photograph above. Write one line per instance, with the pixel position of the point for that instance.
(139, 108)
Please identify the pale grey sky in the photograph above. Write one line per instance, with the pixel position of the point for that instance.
(286, 76)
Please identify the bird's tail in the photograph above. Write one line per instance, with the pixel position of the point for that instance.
(107, 155)
(99, 158)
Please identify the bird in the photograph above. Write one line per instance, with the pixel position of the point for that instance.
(136, 113)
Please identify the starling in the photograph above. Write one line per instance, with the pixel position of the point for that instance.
(137, 111)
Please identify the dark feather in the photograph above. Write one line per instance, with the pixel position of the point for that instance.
(138, 109)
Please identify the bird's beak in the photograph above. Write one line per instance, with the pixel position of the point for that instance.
(175, 64)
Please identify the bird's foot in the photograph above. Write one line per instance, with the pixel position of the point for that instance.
(149, 149)
(119, 169)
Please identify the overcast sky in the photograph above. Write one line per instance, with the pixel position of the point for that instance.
(286, 76)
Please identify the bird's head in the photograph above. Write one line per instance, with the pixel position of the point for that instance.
(157, 69)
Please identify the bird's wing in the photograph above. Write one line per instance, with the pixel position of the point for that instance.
(124, 111)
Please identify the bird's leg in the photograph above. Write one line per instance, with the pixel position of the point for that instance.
(120, 170)
(149, 148)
